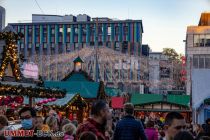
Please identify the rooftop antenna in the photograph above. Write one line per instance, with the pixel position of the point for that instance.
(39, 7)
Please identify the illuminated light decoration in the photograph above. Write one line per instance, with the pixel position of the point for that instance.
(8, 90)
(76, 101)
(58, 66)
(78, 64)
(183, 72)
(46, 101)
(183, 58)
(183, 79)
(10, 52)
(10, 100)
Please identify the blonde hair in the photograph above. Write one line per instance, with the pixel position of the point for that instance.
(51, 121)
(69, 128)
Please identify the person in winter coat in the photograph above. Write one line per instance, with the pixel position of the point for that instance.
(69, 131)
(150, 131)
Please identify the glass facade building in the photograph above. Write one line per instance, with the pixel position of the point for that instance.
(61, 37)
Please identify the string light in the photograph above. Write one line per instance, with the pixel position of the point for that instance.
(59, 66)
(10, 53)
(31, 92)
(77, 100)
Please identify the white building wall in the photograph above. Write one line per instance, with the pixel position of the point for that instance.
(200, 86)
(197, 79)
(190, 50)
(154, 75)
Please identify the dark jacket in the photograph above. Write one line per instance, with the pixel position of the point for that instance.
(129, 129)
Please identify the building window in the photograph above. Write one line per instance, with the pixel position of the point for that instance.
(207, 41)
(109, 30)
(195, 61)
(68, 29)
(108, 44)
(201, 40)
(125, 30)
(92, 31)
(29, 31)
(29, 39)
(201, 61)
(53, 31)
(37, 45)
(76, 31)
(45, 45)
(76, 45)
(45, 30)
(21, 45)
(29, 45)
(60, 39)
(37, 31)
(60, 30)
(117, 46)
(100, 30)
(207, 62)
(100, 43)
(53, 45)
(92, 43)
(84, 31)
(37, 39)
(45, 38)
(52, 39)
(68, 47)
(116, 30)
(22, 30)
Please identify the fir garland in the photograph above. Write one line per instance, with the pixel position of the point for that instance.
(37, 92)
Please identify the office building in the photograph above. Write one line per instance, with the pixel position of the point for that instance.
(198, 67)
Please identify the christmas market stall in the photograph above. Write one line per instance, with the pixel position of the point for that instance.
(157, 105)
(73, 106)
(78, 82)
(13, 86)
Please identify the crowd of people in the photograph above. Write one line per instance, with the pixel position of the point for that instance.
(101, 125)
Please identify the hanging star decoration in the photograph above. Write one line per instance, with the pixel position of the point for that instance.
(10, 52)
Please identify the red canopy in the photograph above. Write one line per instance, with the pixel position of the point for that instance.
(117, 102)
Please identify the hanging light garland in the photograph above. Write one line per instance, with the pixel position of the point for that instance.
(59, 66)
(10, 53)
(77, 100)
(8, 90)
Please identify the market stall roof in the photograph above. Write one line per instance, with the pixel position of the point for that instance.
(78, 59)
(68, 100)
(112, 91)
(78, 76)
(179, 99)
(85, 89)
(140, 99)
(117, 102)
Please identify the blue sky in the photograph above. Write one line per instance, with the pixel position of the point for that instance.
(164, 21)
